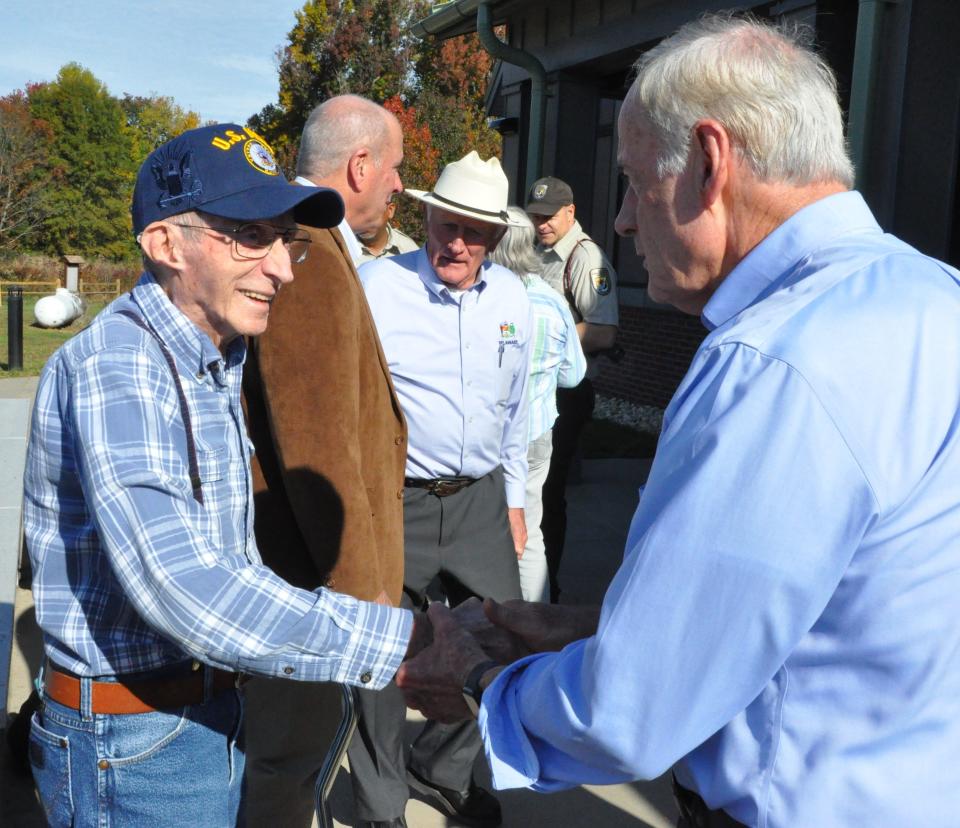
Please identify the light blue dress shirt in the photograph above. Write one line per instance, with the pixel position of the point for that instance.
(556, 357)
(785, 620)
(130, 572)
(459, 364)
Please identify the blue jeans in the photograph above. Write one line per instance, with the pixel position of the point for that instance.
(145, 769)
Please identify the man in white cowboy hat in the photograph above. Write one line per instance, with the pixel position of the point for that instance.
(455, 330)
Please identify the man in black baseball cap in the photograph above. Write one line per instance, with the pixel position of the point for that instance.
(148, 583)
(576, 267)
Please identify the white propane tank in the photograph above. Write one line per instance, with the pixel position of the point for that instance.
(58, 310)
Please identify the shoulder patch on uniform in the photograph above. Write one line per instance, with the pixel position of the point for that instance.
(600, 277)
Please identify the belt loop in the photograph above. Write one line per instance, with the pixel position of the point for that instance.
(208, 676)
(86, 699)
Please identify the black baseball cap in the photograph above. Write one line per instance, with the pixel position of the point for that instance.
(229, 171)
(547, 195)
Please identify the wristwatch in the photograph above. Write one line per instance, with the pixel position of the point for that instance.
(472, 691)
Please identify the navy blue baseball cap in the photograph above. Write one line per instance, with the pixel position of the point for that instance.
(229, 171)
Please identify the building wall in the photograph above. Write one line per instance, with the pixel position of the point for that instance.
(910, 174)
(658, 348)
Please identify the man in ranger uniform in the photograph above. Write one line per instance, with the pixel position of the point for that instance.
(576, 267)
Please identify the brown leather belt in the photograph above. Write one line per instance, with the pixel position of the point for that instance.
(440, 486)
(146, 696)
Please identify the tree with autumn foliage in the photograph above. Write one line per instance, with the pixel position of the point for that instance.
(90, 167)
(364, 47)
(336, 47)
(24, 144)
(69, 152)
(155, 119)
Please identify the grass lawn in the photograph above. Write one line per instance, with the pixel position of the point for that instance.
(39, 343)
(602, 439)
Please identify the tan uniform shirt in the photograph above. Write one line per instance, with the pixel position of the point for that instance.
(593, 281)
(397, 242)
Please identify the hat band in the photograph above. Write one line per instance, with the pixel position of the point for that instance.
(502, 214)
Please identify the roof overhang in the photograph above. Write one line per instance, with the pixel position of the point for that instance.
(455, 18)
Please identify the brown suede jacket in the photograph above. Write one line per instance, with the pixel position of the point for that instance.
(330, 437)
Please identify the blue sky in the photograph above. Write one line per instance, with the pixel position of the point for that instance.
(212, 56)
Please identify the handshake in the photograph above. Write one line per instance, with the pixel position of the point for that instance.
(447, 647)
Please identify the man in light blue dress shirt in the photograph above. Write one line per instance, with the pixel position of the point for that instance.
(456, 333)
(783, 628)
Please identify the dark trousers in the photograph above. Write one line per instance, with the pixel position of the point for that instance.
(694, 812)
(465, 540)
(575, 408)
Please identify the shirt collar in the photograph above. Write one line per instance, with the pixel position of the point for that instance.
(389, 247)
(353, 246)
(766, 266)
(564, 247)
(433, 283)
(186, 341)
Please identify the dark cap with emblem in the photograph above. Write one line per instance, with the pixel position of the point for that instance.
(547, 195)
(228, 171)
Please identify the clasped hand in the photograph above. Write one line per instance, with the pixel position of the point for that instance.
(433, 677)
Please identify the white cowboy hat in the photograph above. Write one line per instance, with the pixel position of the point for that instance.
(471, 187)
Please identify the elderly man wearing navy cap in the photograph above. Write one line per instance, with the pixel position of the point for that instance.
(138, 510)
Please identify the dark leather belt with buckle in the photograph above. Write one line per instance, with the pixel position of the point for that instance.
(440, 486)
(147, 696)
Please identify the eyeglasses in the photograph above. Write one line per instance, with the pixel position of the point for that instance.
(254, 239)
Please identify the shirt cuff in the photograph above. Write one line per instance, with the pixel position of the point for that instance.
(512, 759)
(377, 643)
(516, 494)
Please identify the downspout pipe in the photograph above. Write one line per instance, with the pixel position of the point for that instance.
(866, 61)
(538, 90)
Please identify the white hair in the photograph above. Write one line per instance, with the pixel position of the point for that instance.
(336, 129)
(774, 95)
(516, 249)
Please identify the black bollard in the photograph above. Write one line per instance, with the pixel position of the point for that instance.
(15, 328)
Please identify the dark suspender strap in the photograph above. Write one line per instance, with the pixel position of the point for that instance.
(195, 482)
(568, 283)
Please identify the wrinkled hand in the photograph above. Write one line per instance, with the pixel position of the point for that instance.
(539, 628)
(432, 682)
(497, 642)
(421, 636)
(518, 530)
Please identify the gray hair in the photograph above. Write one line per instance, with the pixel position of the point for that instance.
(516, 249)
(336, 129)
(775, 96)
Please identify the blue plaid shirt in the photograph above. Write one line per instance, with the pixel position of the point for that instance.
(131, 573)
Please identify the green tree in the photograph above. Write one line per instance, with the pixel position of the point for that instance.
(91, 166)
(364, 47)
(155, 120)
(24, 147)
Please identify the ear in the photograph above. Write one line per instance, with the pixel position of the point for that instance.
(358, 169)
(712, 159)
(162, 245)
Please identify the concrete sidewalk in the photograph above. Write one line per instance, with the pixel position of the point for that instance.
(599, 508)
